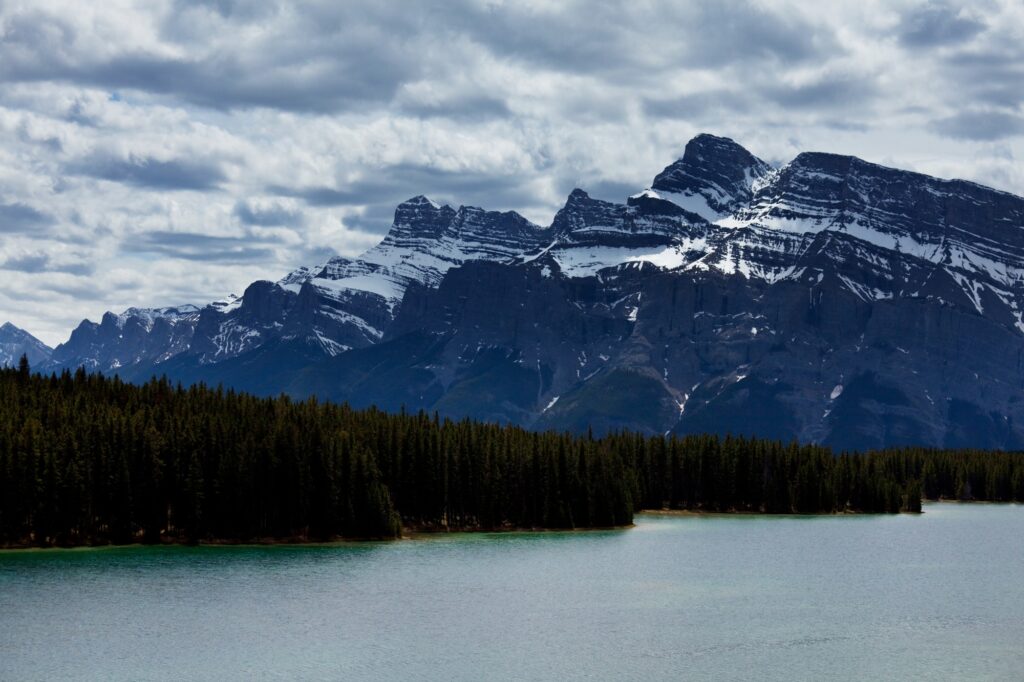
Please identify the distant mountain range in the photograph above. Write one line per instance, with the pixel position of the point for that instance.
(15, 342)
(830, 300)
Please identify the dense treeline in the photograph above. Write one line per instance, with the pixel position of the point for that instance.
(89, 459)
(736, 474)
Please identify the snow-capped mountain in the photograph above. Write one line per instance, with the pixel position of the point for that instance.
(829, 300)
(714, 178)
(15, 342)
(329, 308)
(355, 300)
(136, 336)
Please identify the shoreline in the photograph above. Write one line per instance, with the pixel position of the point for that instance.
(408, 533)
(417, 533)
(699, 512)
(414, 533)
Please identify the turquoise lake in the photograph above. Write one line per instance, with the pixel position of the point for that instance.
(937, 596)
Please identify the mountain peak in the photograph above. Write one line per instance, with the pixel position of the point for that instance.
(714, 175)
(11, 331)
(15, 342)
(418, 218)
(706, 143)
(581, 210)
(421, 200)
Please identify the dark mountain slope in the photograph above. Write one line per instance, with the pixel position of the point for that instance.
(831, 300)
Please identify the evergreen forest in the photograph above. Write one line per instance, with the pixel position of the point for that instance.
(89, 459)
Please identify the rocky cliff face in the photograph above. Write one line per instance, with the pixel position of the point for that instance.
(136, 336)
(830, 300)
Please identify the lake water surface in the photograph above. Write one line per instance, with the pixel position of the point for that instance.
(938, 596)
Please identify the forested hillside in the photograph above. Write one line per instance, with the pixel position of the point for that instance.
(88, 459)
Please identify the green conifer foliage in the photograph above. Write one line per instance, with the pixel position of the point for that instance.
(88, 459)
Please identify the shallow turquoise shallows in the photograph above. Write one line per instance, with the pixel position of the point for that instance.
(938, 596)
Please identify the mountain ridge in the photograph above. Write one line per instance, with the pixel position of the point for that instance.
(706, 293)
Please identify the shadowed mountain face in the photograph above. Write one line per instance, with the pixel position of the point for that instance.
(831, 300)
(15, 342)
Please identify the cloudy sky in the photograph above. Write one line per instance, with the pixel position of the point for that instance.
(164, 152)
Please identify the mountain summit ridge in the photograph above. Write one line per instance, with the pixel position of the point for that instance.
(728, 286)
